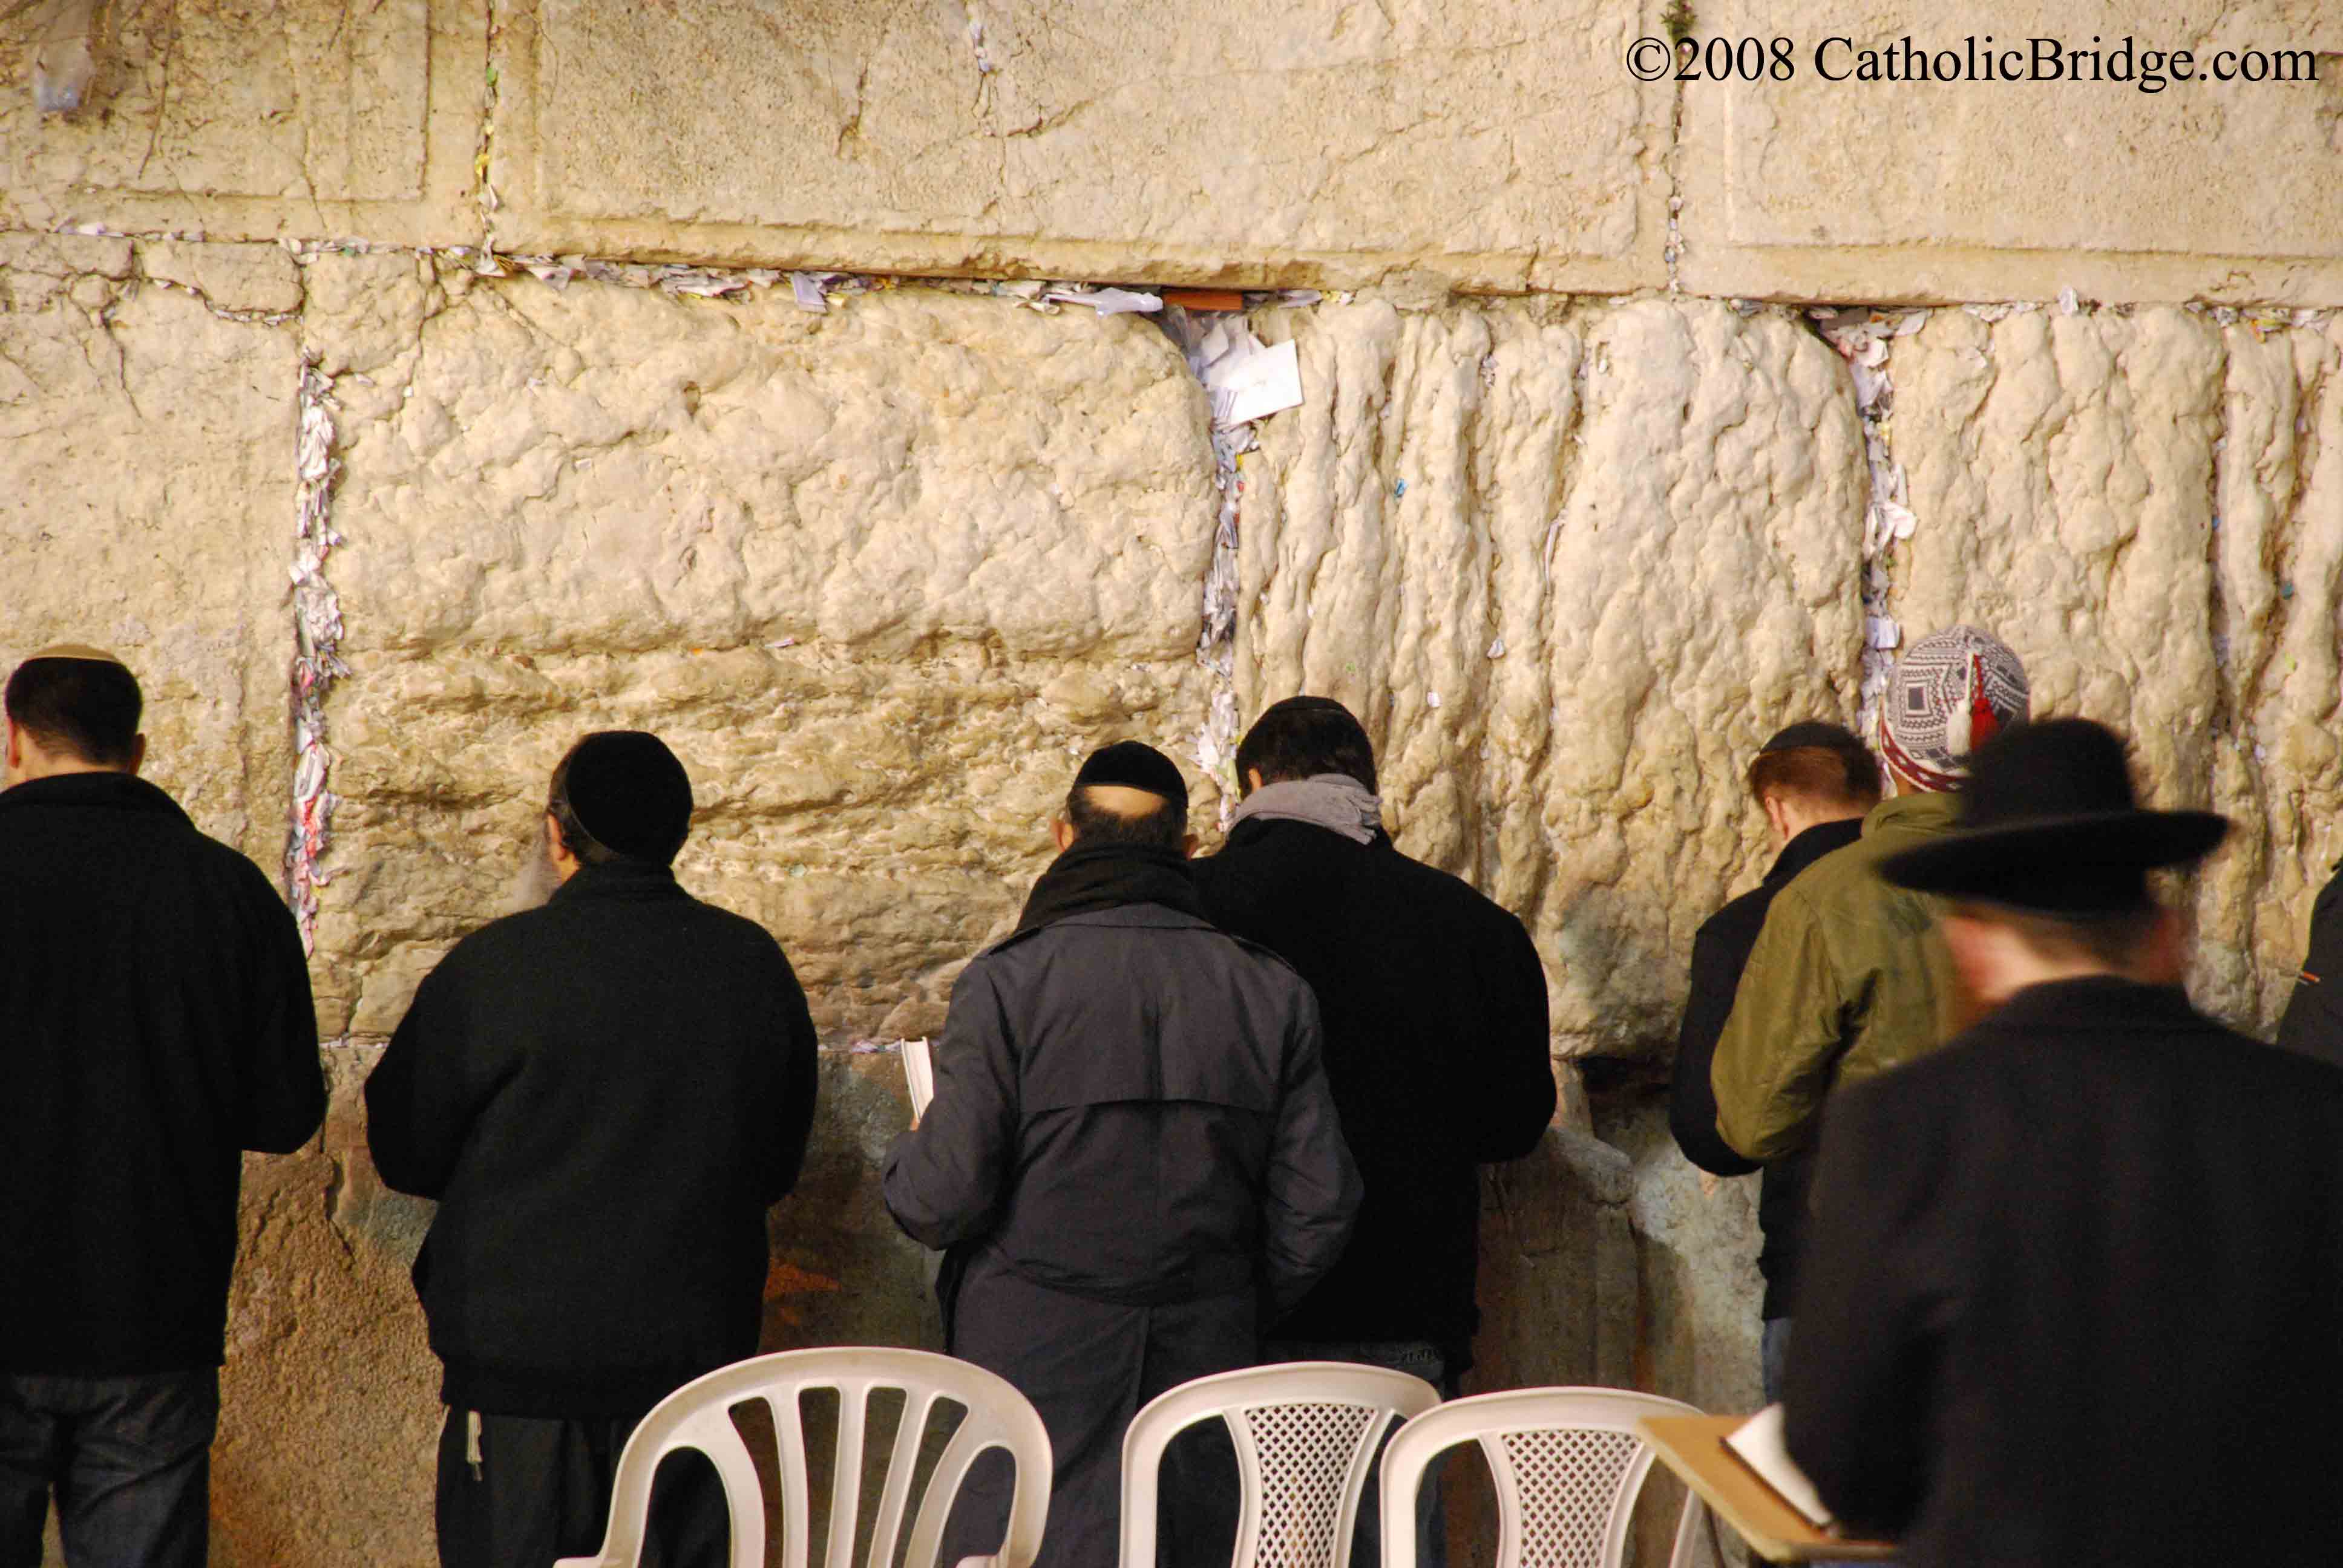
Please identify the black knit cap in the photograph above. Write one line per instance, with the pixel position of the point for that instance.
(2048, 821)
(1810, 732)
(626, 789)
(1135, 765)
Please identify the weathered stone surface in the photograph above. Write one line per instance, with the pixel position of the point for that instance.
(329, 1400)
(880, 577)
(1504, 538)
(256, 119)
(1989, 190)
(2067, 472)
(2277, 585)
(1311, 143)
(175, 560)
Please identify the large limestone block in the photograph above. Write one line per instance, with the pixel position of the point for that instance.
(879, 576)
(176, 560)
(1569, 567)
(2067, 474)
(1810, 188)
(1321, 142)
(256, 119)
(2277, 568)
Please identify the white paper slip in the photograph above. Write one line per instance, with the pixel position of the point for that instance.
(920, 1073)
(1757, 1443)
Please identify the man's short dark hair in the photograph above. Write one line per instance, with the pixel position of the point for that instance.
(1305, 736)
(1836, 773)
(83, 707)
(1163, 827)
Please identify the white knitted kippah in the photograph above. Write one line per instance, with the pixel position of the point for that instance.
(1951, 691)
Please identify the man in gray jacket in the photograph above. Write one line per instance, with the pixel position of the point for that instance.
(1132, 1158)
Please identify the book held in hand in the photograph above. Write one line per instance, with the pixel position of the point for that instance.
(920, 1075)
(1757, 1443)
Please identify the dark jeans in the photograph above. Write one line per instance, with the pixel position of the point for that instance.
(540, 1489)
(1419, 1359)
(128, 1460)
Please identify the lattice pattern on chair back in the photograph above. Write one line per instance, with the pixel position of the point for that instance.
(1305, 1453)
(1569, 1484)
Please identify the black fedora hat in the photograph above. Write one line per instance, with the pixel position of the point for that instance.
(2050, 822)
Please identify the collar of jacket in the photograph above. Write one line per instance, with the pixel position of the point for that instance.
(103, 792)
(1812, 845)
(1254, 828)
(619, 880)
(2100, 1004)
(1088, 878)
(1922, 815)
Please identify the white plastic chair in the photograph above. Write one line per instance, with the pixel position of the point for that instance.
(698, 1415)
(1569, 1465)
(1305, 1434)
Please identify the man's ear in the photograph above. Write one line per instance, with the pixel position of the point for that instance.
(137, 754)
(1777, 814)
(1251, 781)
(1063, 832)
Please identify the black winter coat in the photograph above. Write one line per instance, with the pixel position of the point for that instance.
(2313, 1022)
(1720, 951)
(2072, 1293)
(1434, 1005)
(605, 1094)
(154, 1021)
(1130, 1107)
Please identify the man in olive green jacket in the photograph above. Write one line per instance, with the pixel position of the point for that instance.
(1848, 979)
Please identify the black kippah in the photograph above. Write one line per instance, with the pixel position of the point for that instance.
(1135, 765)
(1812, 732)
(627, 788)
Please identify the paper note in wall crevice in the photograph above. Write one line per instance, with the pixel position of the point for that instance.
(918, 1075)
(1758, 1443)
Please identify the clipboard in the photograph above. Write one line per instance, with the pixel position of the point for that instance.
(1693, 1446)
(918, 1076)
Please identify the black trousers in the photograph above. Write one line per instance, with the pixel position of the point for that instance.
(128, 1459)
(540, 1490)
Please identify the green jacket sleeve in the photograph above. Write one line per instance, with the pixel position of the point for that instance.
(1781, 1045)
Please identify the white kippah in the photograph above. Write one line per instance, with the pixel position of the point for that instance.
(1951, 692)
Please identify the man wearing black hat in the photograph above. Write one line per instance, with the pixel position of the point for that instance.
(155, 1020)
(1132, 1156)
(605, 1095)
(2072, 1293)
(1437, 1047)
(1815, 782)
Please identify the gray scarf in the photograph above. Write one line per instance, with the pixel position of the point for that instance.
(1331, 801)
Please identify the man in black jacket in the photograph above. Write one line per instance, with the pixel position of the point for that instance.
(1131, 1156)
(155, 1022)
(2313, 1021)
(1434, 1004)
(1814, 781)
(2071, 1295)
(605, 1094)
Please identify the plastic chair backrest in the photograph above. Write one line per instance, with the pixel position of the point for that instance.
(699, 1415)
(1305, 1434)
(1569, 1465)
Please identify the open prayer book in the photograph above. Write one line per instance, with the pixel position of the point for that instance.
(1757, 1443)
(920, 1074)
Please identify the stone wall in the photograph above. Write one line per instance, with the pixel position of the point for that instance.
(1567, 514)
